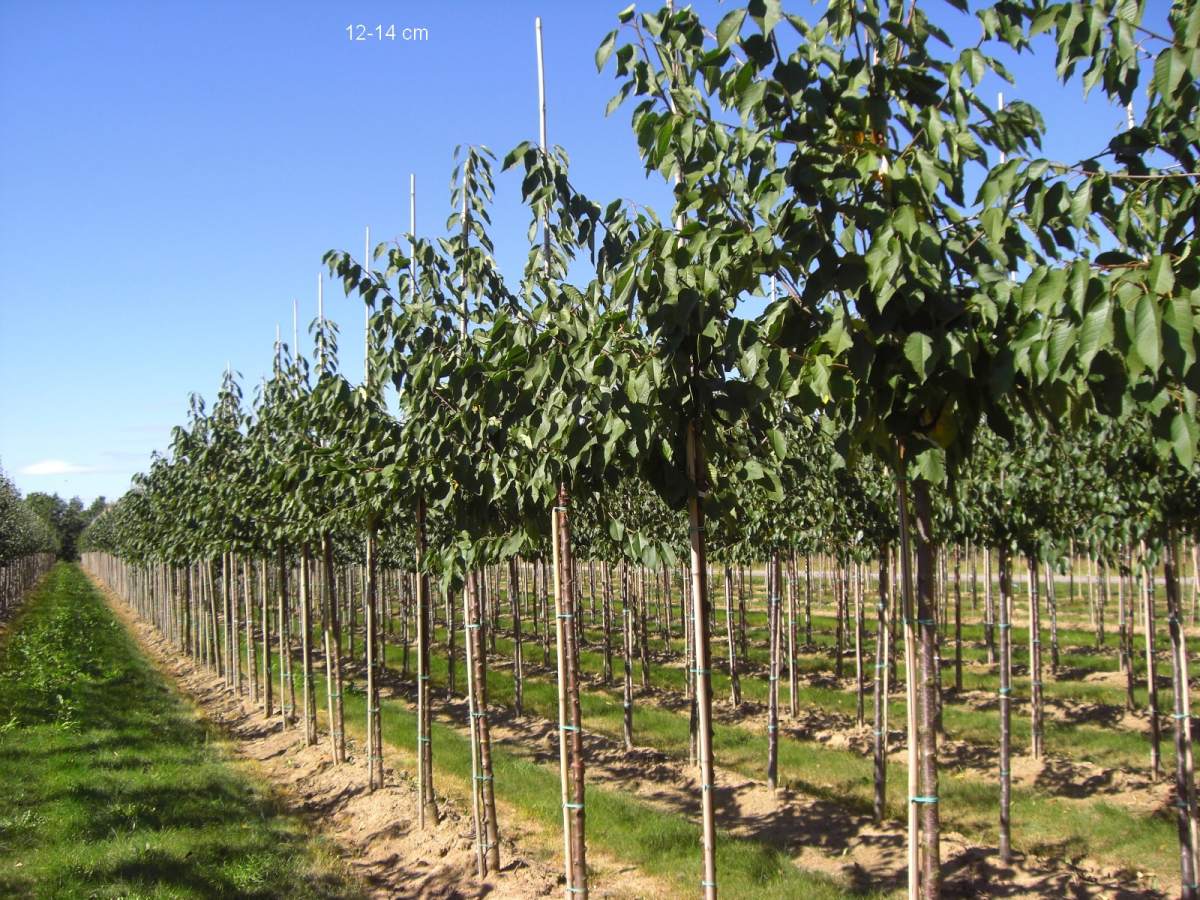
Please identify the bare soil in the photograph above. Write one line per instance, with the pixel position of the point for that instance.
(376, 832)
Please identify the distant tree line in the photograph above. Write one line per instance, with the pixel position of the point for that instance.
(66, 519)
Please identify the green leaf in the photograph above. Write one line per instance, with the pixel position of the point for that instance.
(918, 349)
(778, 444)
(766, 13)
(1183, 438)
(930, 465)
(1147, 339)
(1161, 279)
(1095, 332)
(1169, 70)
(729, 28)
(973, 61)
(605, 49)
(993, 221)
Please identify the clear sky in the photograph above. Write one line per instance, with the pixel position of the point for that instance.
(171, 173)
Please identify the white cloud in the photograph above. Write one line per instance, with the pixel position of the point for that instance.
(56, 467)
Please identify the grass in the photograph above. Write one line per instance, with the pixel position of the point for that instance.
(658, 842)
(1042, 822)
(111, 787)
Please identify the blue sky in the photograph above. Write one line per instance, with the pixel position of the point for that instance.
(171, 173)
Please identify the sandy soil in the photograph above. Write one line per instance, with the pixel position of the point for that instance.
(398, 860)
(376, 832)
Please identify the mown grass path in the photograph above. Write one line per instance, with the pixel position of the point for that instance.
(109, 786)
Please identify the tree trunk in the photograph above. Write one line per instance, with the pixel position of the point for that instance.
(333, 655)
(930, 679)
(958, 656)
(518, 662)
(307, 685)
(773, 677)
(910, 682)
(735, 684)
(1147, 576)
(374, 725)
(477, 667)
(1035, 662)
(571, 727)
(1185, 781)
(268, 698)
(1005, 629)
(697, 473)
(881, 689)
(426, 802)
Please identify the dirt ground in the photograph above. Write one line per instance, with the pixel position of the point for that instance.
(380, 842)
(376, 832)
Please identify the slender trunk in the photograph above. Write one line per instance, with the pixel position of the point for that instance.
(958, 655)
(910, 685)
(930, 679)
(700, 624)
(426, 802)
(1035, 663)
(773, 678)
(308, 688)
(735, 684)
(571, 728)
(251, 647)
(1052, 606)
(793, 674)
(1185, 781)
(808, 594)
(268, 698)
(1005, 629)
(477, 667)
(374, 723)
(606, 588)
(333, 655)
(627, 653)
(860, 640)
(1147, 576)
(881, 690)
(518, 666)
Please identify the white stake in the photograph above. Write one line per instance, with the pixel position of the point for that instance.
(320, 322)
(367, 312)
(541, 72)
(1000, 106)
(412, 235)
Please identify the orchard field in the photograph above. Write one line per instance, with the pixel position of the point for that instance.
(596, 583)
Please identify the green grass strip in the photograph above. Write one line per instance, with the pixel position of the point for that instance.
(109, 787)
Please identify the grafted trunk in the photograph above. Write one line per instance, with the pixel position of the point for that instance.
(958, 656)
(374, 733)
(267, 685)
(308, 688)
(1185, 781)
(426, 802)
(333, 655)
(928, 801)
(773, 678)
(735, 684)
(1005, 628)
(489, 833)
(518, 662)
(697, 472)
(571, 725)
(881, 690)
(627, 654)
(606, 588)
(1035, 663)
(1147, 579)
